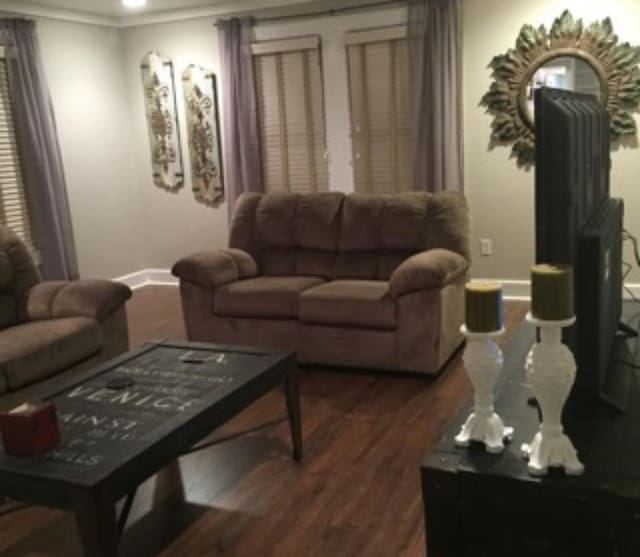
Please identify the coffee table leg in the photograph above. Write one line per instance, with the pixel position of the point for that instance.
(292, 393)
(97, 525)
(169, 484)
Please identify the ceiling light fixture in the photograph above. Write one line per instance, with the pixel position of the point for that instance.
(134, 3)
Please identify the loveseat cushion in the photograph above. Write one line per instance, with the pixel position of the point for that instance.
(291, 220)
(8, 310)
(349, 303)
(384, 222)
(33, 351)
(3, 384)
(289, 233)
(368, 265)
(262, 296)
(6, 270)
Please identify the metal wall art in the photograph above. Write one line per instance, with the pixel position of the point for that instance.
(203, 129)
(592, 56)
(164, 136)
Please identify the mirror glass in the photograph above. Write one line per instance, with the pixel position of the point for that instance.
(563, 72)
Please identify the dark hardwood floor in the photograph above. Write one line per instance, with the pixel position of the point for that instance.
(356, 493)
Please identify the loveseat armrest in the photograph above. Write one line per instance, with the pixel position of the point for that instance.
(94, 298)
(211, 269)
(434, 268)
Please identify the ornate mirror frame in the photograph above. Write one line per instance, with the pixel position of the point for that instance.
(615, 64)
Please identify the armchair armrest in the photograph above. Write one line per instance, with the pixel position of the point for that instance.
(94, 298)
(211, 269)
(426, 270)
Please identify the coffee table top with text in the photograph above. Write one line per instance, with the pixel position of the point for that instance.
(122, 421)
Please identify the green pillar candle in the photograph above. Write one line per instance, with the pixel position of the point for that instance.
(483, 307)
(552, 292)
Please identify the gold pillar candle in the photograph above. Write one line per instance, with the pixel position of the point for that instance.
(552, 292)
(483, 307)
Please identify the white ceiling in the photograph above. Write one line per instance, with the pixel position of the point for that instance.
(114, 8)
(112, 13)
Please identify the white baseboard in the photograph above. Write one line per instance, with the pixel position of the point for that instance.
(148, 277)
(511, 289)
(521, 289)
(515, 289)
(631, 290)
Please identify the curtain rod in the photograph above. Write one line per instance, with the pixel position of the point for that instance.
(320, 13)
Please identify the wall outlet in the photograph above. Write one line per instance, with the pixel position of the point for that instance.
(486, 246)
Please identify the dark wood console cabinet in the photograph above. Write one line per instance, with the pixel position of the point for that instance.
(483, 505)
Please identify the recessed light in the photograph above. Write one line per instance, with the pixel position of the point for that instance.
(134, 3)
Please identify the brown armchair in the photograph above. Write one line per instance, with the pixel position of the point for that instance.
(53, 326)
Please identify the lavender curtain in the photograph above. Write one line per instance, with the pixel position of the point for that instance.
(435, 61)
(241, 145)
(41, 161)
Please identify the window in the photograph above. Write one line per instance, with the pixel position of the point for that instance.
(378, 97)
(290, 106)
(13, 206)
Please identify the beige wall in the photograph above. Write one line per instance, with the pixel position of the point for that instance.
(500, 194)
(84, 67)
(177, 224)
(124, 223)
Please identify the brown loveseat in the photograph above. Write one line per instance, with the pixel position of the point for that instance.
(53, 326)
(358, 280)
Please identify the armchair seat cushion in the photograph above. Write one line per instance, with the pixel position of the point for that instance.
(33, 351)
(351, 303)
(271, 297)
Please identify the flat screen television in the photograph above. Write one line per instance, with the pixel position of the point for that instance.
(577, 222)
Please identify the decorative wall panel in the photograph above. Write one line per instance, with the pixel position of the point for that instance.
(203, 129)
(164, 135)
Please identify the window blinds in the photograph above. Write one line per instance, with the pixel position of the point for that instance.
(13, 206)
(379, 101)
(290, 107)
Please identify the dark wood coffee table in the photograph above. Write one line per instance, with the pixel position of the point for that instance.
(114, 439)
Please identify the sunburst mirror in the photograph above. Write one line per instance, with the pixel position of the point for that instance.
(568, 56)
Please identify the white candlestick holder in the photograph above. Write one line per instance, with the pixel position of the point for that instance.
(483, 362)
(551, 372)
